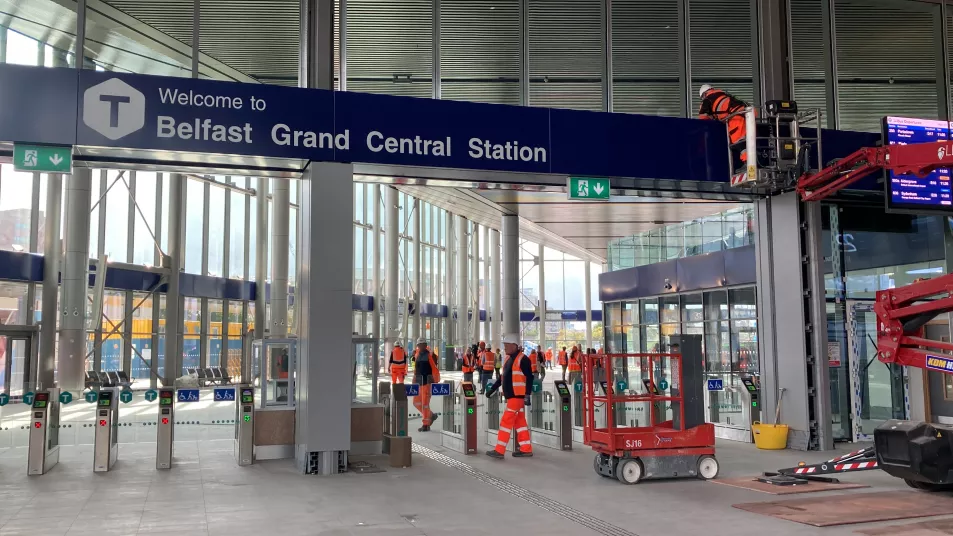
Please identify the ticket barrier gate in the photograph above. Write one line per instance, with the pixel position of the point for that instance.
(106, 441)
(752, 392)
(459, 430)
(44, 447)
(550, 417)
(245, 425)
(165, 429)
(394, 399)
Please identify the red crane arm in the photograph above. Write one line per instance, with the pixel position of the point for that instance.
(917, 159)
(902, 312)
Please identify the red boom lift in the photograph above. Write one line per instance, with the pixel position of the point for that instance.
(919, 453)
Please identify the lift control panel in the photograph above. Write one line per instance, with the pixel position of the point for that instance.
(245, 425)
(106, 442)
(564, 418)
(165, 432)
(44, 446)
(469, 431)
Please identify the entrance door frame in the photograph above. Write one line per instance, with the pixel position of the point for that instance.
(375, 373)
(855, 367)
(30, 334)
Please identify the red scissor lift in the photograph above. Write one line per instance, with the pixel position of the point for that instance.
(666, 448)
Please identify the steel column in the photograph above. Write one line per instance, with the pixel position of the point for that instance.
(175, 262)
(196, 30)
(436, 50)
(772, 44)
(588, 295)
(52, 252)
(75, 280)
(829, 36)
(511, 274)
(474, 283)
(524, 53)
(280, 243)
(942, 67)
(391, 267)
(541, 306)
(261, 257)
(606, 35)
(342, 45)
(685, 57)
(80, 53)
(460, 264)
(448, 325)
(418, 296)
(486, 284)
(375, 291)
(495, 294)
(316, 44)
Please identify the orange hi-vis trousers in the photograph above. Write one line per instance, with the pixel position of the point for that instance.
(422, 403)
(398, 373)
(515, 415)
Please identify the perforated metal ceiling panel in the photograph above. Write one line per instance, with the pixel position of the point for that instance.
(645, 60)
(480, 50)
(807, 53)
(390, 47)
(565, 53)
(171, 17)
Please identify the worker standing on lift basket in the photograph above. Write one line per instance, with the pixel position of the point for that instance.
(718, 104)
(517, 374)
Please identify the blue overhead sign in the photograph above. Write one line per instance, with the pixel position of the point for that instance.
(117, 110)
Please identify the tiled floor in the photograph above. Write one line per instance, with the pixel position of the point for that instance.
(206, 494)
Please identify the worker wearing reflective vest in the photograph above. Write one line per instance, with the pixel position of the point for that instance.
(398, 363)
(534, 361)
(425, 373)
(469, 363)
(515, 379)
(487, 366)
(563, 361)
(718, 104)
(575, 365)
(549, 357)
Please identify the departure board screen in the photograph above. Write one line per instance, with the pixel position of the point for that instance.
(908, 192)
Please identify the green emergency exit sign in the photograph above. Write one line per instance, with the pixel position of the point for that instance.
(43, 158)
(588, 188)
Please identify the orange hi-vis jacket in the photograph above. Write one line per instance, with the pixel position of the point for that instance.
(468, 362)
(398, 356)
(562, 358)
(519, 379)
(489, 360)
(574, 364)
(534, 361)
(549, 354)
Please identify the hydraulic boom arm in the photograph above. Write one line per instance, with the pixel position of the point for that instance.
(917, 159)
(901, 312)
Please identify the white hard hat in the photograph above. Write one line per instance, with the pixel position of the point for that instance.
(511, 338)
(398, 343)
(421, 341)
(703, 89)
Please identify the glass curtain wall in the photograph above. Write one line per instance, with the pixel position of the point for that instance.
(727, 320)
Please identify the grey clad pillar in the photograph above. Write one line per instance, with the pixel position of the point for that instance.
(75, 281)
(417, 330)
(450, 334)
(391, 267)
(325, 362)
(588, 295)
(375, 267)
(511, 274)
(495, 295)
(52, 251)
(175, 262)
(474, 284)
(280, 242)
(460, 263)
(541, 309)
(486, 283)
(261, 258)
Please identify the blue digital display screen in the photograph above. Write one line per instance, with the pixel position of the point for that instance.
(908, 192)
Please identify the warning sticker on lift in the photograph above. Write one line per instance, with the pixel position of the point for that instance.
(943, 364)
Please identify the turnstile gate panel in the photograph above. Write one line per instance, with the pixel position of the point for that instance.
(44, 447)
(165, 432)
(469, 431)
(753, 393)
(245, 425)
(564, 415)
(106, 442)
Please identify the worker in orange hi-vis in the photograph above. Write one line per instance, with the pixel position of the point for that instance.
(549, 357)
(425, 373)
(563, 361)
(575, 365)
(469, 363)
(718, 104)
(487, 366)
(515, 378)
(398, 363)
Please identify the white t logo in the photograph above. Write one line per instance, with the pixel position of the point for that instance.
(114, 108)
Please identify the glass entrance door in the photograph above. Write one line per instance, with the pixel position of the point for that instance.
(366, 365)
(16, 363)
(877, 388)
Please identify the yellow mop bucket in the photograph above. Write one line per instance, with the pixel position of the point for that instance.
(770, 436)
